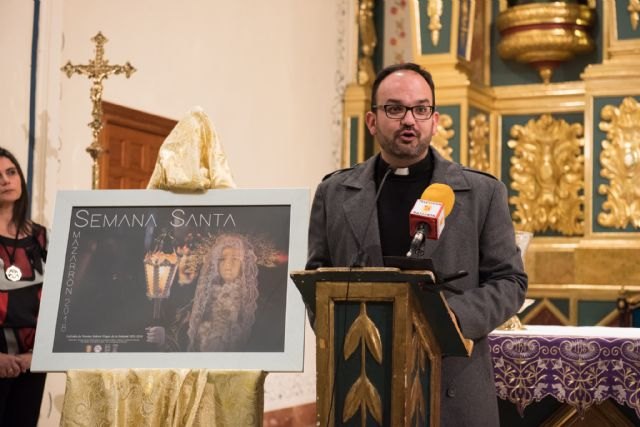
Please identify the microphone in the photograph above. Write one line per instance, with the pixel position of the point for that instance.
(360, 259)
(426, 218)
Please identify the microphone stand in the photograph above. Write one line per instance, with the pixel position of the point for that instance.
(415, 250)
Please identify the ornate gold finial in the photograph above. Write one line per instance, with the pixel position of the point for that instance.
(547, 172)
(97, 70)
(479, 142)
(363, 395)
(634, 13)
(620, 160)
(434, 11)
(368, 42)
(440, 140)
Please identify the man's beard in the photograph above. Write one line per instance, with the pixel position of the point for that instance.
(401, 150)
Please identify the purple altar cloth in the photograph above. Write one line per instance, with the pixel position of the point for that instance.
(580, 366)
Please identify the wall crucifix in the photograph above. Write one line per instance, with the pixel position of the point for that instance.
(97, 70)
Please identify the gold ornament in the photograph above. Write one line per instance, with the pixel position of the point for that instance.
(434, 11)
(479, 143)
(363, 395)
(620, 161)
(440, 140)
(545, 34)
(368, 42)
(634, 13)
(547, 172)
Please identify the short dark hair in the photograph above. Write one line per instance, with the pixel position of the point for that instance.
(21, 206)
(398, 67)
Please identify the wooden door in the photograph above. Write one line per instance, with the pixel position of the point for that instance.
(131, 140)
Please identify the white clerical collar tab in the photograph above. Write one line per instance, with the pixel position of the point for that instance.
(401, 171)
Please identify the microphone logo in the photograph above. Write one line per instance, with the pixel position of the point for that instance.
(426, 219)
(429, 212)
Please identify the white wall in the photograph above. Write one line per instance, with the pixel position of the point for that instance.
(269, 74)
(16, 17)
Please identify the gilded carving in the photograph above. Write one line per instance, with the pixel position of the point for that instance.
(620, 161)
(479, 142)
(362, 395)
(440, 140)
(417, 366)
(368, 42)
(434, 11)
(634, 13)
(547, 173)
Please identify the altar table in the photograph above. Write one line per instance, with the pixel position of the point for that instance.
(579, 366)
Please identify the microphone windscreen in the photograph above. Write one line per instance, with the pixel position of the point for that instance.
(441, 193)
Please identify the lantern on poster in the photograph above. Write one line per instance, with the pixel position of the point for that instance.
(160, 267)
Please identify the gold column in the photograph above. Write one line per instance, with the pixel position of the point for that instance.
(357, 97)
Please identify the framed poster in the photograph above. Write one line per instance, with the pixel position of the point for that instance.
(154, 279)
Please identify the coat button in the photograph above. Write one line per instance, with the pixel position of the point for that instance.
(451, 392)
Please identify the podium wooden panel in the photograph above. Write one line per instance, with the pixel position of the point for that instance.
(380, 337)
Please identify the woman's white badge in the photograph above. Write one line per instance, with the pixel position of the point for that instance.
(13, 273)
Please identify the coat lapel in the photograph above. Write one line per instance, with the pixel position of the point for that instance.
(361, 212)
(446, 172)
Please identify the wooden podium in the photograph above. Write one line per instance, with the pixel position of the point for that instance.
(380, 337)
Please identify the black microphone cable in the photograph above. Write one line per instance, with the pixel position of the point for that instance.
(359, 260)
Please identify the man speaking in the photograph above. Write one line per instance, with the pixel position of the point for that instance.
(362, 214)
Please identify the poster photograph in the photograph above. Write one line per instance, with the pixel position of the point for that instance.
(154, 279)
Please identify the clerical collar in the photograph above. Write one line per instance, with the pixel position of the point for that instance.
(420, 169)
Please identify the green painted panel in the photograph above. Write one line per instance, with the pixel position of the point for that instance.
(444, 44)
(378, 51)
(623, 21)
(353, 140)
(348, 371)
(369, 143)
(598, 137)
(507, 123)
(592, 312)
(504, 73)
(454, 142)
(562, 305)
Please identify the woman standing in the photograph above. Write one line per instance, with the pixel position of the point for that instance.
(23, 253)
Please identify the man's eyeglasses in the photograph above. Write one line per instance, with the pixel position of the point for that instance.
(397, 111)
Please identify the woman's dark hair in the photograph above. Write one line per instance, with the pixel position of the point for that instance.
(410, 66)
(21, 206)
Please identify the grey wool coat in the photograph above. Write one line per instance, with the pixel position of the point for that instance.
(478, 237)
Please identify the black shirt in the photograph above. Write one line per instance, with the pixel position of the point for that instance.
(398, 195)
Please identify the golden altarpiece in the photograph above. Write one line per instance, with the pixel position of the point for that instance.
(546, 97)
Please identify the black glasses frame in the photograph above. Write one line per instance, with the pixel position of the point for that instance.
(386, 108)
